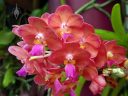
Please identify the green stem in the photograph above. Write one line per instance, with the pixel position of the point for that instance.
(92, 4)
(116, 91)
(102, 10)
(105, 3)
(62, 2)
(80, 85)
(49, 92)
(81, 9)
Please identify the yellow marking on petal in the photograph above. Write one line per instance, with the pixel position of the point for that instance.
(37, 41)
(82, 46)
(69, 62)
(63, 31)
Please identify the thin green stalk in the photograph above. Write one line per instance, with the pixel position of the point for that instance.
(92, 4)
(102, 10)
(89, 7)
(62, 2)
(49, 92)
(80, 85)
(105, 3)
(116, 91)
(81, 9)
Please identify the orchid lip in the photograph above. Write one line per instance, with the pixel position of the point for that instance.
(22, 72)
(70, 71)
(58, 85)
(37, 50)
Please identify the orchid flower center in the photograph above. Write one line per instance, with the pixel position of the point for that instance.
(82, 45)
(39, 36)
(69, 59)
(63, 26)
(109, 54)
(64, 29)
(39, 39)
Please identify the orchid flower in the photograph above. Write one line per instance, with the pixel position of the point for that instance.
(60, 47)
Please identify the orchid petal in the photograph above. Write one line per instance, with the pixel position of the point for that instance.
(57, 85)
(37, 22)
(88, 29)
(90, 72)
(22, 72)
(78, 19)
(97, 85)
(72, 93)
(101, 57)
(64, 12)
(54, 20)
(45, 17)
(94, 40)
(18, 52)
(39, 80)
(37, 50)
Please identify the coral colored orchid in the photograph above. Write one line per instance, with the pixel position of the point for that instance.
(115, 54)
(62, 21)
(60, 47)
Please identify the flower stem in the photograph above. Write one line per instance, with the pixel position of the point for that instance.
(93, 4)
(62, 2)
(81, 9)
(105, 3)
(102, 10)
(80, 85)
(49, 92)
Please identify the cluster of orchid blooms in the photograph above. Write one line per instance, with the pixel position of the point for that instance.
(60, 47)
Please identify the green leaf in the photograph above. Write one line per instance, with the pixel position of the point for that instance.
(116, 90)
(6, 38)
(36, 12)
(39, 12)
(106, 91)
(108, 35)
(62, 2)
(8, 77)
(116, 20)
(80, 85)
(2, 52)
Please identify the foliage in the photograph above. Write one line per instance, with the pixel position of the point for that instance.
(10, 84)
(119, 33)
(121, 36)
